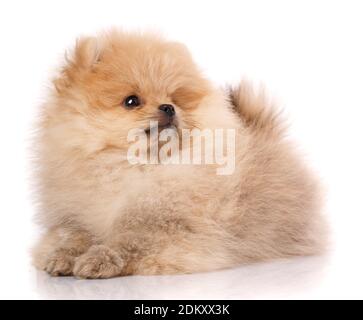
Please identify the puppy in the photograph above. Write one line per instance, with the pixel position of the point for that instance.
(105, 216)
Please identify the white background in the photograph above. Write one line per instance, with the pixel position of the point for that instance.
(309, 54)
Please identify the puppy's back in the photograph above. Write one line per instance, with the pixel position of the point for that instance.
(280, 198)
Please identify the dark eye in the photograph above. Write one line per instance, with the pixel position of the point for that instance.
(132, 101)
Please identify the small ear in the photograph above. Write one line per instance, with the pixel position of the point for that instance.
(87, 52)
(85, 55)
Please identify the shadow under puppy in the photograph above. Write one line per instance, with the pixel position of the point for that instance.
(105, 217)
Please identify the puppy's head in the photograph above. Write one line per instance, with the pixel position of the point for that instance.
(119, 81)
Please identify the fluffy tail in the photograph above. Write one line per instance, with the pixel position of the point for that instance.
(255, 110)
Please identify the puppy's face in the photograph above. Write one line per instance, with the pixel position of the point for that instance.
(120, 82)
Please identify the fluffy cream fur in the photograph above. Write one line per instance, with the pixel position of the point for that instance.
(104, 217)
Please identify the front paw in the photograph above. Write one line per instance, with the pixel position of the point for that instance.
(60, 263)
(99, 262)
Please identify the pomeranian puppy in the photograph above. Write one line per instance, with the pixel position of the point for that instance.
(107, 216)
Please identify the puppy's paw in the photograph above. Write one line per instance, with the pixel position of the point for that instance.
(99, 262)
(60, 263)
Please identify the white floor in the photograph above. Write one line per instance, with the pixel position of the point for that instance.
(289, 279)
(301, 278)
(279, 280)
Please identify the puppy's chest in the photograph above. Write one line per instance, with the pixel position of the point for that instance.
(113, 192)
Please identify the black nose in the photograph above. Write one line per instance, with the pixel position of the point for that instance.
(168, 109)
